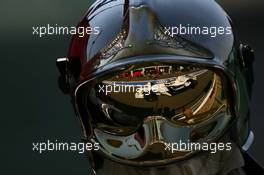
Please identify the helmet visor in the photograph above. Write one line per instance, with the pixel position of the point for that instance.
(184, 94)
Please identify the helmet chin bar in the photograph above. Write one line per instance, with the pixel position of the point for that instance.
(63, 80)
(69, 71)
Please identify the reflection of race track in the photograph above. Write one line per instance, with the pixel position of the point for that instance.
(188, 96)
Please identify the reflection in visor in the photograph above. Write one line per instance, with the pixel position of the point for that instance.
(184, 95)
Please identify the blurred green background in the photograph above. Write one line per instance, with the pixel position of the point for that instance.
(32, 107)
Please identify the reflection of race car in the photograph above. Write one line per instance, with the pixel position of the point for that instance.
(169, 87)
(150, 96)
(151, 90)
(180, 83)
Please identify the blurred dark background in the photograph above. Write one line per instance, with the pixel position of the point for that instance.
(32, 107)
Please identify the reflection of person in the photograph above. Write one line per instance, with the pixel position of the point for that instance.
(133, 135)
(187, 111)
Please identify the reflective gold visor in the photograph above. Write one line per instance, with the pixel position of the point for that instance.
(183, 94)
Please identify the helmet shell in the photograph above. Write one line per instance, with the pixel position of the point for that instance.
(127, 36)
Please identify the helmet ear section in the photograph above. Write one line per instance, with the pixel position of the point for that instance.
(63, 80)
(70, 67)
(247, 57)
(69, 73)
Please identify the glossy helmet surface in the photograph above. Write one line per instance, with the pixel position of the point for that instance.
(133, 33)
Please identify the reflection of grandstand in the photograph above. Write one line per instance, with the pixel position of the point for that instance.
(162, 71)
(151, 71)
(157, 70)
